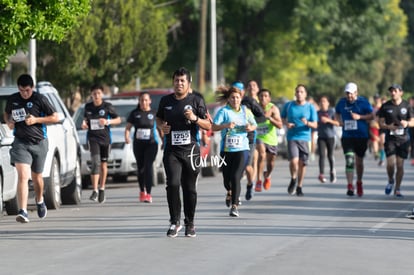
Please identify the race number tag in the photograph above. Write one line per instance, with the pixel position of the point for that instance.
(180, 137)
(19, 114)
(350, 125)
(397, 132)
(143, 134)
(262, 130)
(234, 142)
(95, 125)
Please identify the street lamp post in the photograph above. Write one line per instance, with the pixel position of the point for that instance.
(213, 45)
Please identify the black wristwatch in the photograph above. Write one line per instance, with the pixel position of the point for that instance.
(194, 121)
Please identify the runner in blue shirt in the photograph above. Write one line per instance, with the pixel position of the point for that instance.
(299, 116)
(234, 121)
(353, 113)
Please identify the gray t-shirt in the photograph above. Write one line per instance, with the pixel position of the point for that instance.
(326, 130)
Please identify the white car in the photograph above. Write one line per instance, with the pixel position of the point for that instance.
(121, 162)
(8, 174)
(62, 180)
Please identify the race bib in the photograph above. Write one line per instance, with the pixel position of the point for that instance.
(234, 142)
(397, 132)
(350, 125)
(181, 137)
(143, 134)
(95, 125)
(19, 114)
(262, 130)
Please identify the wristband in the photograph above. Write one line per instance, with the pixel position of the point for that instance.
(195, 121)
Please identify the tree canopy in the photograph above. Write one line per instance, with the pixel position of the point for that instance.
(40, 19)
(118, 41)
(322, 44)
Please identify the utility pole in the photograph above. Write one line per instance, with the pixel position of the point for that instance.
(213, 46)
(32, 59)
(202, 47)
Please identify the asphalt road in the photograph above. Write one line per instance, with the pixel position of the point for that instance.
(324, 232)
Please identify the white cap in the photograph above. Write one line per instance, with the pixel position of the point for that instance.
(350, 88)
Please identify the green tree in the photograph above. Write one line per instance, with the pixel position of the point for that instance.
(41, 19)
(119, 41)
(359, 38)
(319, 43)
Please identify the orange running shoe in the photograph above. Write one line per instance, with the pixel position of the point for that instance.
(142, 196)
(267, 184)
(258, 187)
(148, 198)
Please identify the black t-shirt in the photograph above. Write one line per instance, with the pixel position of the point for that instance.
(96, 132)
(145, 126)
(393, 114)
(37, 105)
(184, 134)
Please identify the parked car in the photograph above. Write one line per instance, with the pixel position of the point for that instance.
(121, 162)
(156, 95)
(62, 180)
(8, 174)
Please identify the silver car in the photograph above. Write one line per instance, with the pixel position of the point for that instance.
(121, 162)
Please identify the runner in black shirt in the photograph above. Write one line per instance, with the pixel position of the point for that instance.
(180, 116)
(396, 115)
(27, 112)
(146, 140)
(98, 117)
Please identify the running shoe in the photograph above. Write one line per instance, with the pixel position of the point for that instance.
(94, 196)
(321, 178)
(350, 191)
(173, 230)
(228, 200)
(101, 196)
(249, 192)
(190, 230)
(41, 210)
(299, 192)
(258, 187)
(360, 189)
(333, 176)
(412, 162)
(389, 187)
(291, 187)
(148, 198)
(411, 215)
(233, 211)
(142, 196)
(398, 194)
(22, 216)
(267, 183)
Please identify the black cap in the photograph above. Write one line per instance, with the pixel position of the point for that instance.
(395, 86)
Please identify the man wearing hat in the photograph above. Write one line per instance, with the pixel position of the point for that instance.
(353, 113)
(395, 116)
